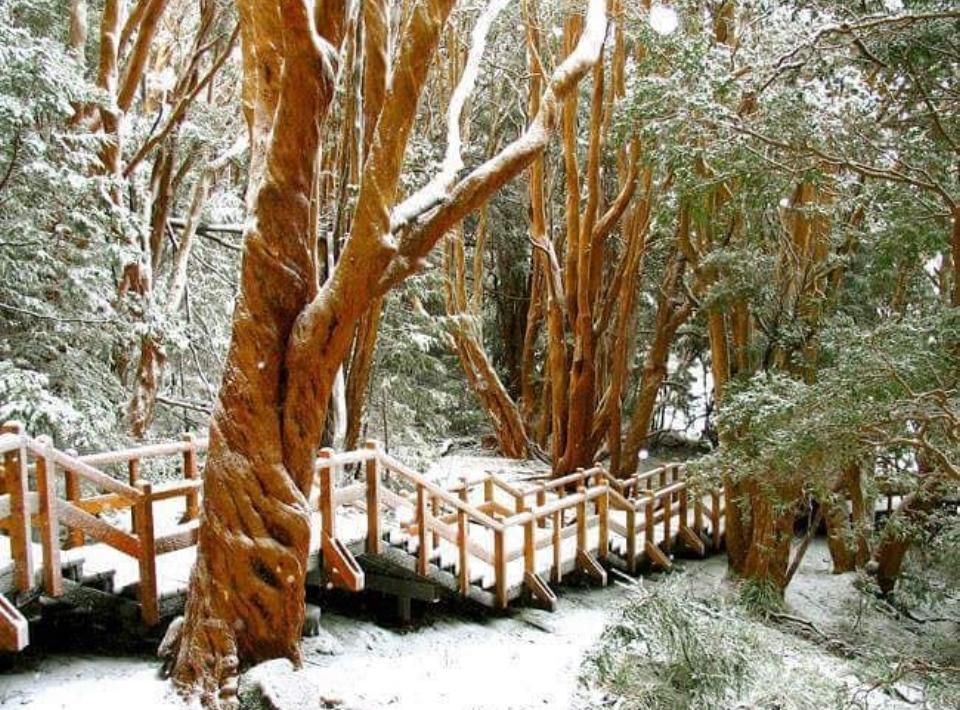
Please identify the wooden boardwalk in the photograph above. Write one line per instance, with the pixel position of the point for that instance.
(376, 524)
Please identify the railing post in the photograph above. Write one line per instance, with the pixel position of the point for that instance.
(557, 547)
(632, 539)
(603, 508)
(133, 476)
(683, 507)
(663, 476)
(435, 511)
(15, 474)
(463, 537)
(582, 519)
(149, 606)
(561, 493)
(500, 568)
(50, 525)
(667, 521)
(488, 490)
(648, 520)
(698, 515)
(328, 517)
(541, 500)
(191, 472)
(373, 499)
(423, 557)
(75, 537)
(529, 546)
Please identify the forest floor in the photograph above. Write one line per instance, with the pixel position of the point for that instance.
(832, 647)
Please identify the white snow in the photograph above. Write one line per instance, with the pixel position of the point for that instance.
(663, 19)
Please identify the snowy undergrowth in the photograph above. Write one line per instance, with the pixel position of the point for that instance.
(678, 645)
(670, 649)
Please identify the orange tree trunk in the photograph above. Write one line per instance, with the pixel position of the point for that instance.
(246, 592)
(290, 336)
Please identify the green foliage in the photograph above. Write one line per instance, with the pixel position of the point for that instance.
(760, 597)
(863, 397)
(667, 651)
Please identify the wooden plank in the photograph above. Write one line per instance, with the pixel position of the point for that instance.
(149, 606)
(648, 523)
(603, 538)
(667, 521)
(556, 573)
(562, 502)
(180, 539)
(9, 442)
(21, 549)
(143, 452)
(116, 538)
(693, 541)
(14, 630)
(73, 493)
(631, 533)
(448, 498)
(50, 525)
(133, 478)
(340, 565)
(582, 519)
(176, 489)
(401, 586)
(349, 458)
(423, 551)
(95, 476)
(657, 557)
(463, 536)
(372, 471)
(529, 547)
(449, 533)
(435, 512)
(500, 569)
(328, 518)
(539, 590)
(588, 564)
(191, 472)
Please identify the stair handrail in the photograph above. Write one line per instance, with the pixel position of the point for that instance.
(451, 500)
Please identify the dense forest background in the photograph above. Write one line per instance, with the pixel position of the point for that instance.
(747, 232)
(569, 231)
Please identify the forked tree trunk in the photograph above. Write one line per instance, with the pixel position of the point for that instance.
(246, 592)
(290, 336)
(769, 524)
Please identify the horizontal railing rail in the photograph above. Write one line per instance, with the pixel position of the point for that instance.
(478, 516)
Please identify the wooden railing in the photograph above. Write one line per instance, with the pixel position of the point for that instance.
(569, 506)
(489, 522)
(87, 492)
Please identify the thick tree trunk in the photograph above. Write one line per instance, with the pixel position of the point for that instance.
(770, 524)
(839, 534)
(673, 310)
(246, 591)
(290, 336)
(902, 528)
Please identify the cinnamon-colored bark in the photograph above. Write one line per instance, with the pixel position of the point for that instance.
(290, 335)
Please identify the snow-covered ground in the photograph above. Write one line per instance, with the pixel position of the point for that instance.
(528, 659)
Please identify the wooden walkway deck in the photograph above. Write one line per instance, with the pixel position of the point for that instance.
(377, 524)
